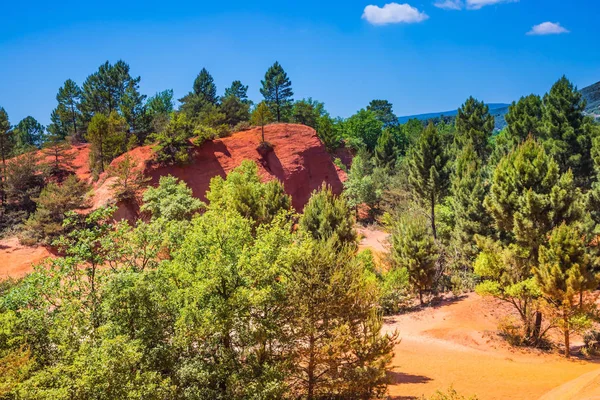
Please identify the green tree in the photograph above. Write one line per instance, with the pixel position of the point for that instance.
(339, 351)
(66, 118)
(59, 150)
(524, 119)
(262, 116)
(107, 137)
(277, 91)
(104, 90)
(468, 188)
(475, 124)
(235, 110)
(327, 216)
(28, 134)
(129, 179)
(237, 89)
(243, 191)
(384, 113)
(52, 206)
(307, 112)
(564, 277)
(365, 184)
(566, 138)
(202, 97)
(428, 172)
(7, 144)
(528, 198)
(362, 129)
(386, 152)
(327, 130)
(173, 143)
(159, 109)
(172, 200)
(414, 248)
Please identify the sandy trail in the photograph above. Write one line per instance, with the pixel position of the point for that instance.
(16, 260)
(455, 345)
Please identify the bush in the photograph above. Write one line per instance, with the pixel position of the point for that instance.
(450, 394)
(242, 126)
(591, 342)
(395, 291)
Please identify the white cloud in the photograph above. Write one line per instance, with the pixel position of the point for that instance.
(477, 4)
(393, 13)
(449, 4)
(547, 28)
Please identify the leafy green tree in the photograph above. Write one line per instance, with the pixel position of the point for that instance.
(386, 152)
(564, 277)
(159, 109)
(365, 184)
(475, 124)
(427, 164)
(172, 200)
(307, 112)
(565, 136)
(173, 143)
(237, 89)
(277, 91)
(59, 150)
(28, 134)
(243, 191)
(339, 351)
(262, 116)
(107, 138)
(384, 113)
(362, 129)
(414, 248)
(524, 119)
(327, 216)
(412, 130)
(52, 206)
(468, 188)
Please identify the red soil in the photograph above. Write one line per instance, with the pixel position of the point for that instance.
(299, 160)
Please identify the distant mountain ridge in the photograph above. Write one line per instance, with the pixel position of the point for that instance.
(591, 94)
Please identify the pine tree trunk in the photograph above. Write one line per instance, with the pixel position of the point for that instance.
(433, 229)
(421, 296)
(537, 327)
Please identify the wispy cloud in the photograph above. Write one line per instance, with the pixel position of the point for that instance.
(477, 4)
(393, 13)
(547, 28)
(449, 4)
(469, 4)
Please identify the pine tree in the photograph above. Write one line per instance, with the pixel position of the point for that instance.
(327, 216)
(28, 134)
(565, 135)
(203, 97)
(235, 110)
(58, 149)
(173, 143)
(414, 248)
(129, 179)
(386, 152)
(69, 116)
(428, 171)
(261, 116)
(475, 124)
(277, 91)
(564, 276)
(238, 90)
(384, 112)
(524, 119)
(7, 144)
(468, 194)
(327, 132)
(107, 137)
(528, 198)
(205, 88)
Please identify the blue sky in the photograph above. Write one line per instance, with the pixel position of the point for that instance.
(429, 59)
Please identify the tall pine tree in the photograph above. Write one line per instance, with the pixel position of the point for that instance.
(475, 124)
(277, 91)
(428, 171)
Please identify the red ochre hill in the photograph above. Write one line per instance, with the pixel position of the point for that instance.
(298, 159)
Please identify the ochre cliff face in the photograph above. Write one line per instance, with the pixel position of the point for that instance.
(299, 160)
